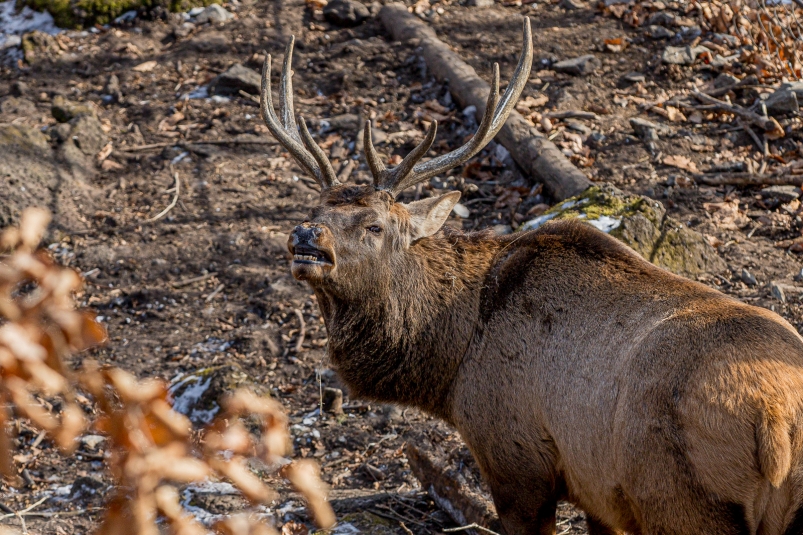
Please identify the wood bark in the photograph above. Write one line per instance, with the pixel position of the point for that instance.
(463, 504)
(530, 149)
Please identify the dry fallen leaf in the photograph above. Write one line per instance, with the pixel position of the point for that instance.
(145, 67)
(681, 162)
(615, 45)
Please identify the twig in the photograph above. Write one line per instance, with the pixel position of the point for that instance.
(754, 137)
(187, 282)
(215, 292)
(470, 526)
(407, 530)
(169, 206)
(185, 144)
(27, 509)
(302, 330)
(749, 179)
(573, 114)
(767, 124)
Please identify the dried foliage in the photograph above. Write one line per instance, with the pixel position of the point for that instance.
(772, 28)
(151, 449)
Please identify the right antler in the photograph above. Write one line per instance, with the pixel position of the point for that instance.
(409, 173)
(314, 161)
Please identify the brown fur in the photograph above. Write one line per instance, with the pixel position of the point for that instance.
(573, 369)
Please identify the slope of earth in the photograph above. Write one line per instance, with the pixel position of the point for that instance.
(208, 284)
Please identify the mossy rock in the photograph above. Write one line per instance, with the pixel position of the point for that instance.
(84, 13)
(37, 46)
(641, 223)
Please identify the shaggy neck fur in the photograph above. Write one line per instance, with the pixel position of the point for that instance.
(403, 341)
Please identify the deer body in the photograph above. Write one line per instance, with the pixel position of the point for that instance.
(573, 368)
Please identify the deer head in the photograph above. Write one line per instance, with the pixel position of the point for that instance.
(360, 234)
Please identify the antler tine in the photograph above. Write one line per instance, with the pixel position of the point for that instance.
(387, 179)
(378, 168)
(315, 164)
(319, 155)
(286, 92)
(496, 113)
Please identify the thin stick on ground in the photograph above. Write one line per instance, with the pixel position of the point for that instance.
(768, 124)
(187, 144)
(169, 206)
(471, 526)
(302, 330)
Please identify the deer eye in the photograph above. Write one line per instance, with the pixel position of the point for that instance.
(375, 229)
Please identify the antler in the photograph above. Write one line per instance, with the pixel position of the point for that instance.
(409, 172)
(303, 148)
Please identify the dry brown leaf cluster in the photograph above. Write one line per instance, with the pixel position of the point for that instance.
(151, 448)
(772, 28)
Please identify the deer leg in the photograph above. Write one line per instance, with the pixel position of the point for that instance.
(595, 527)
(525, 509)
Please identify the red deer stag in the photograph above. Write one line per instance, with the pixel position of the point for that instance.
(573, 368)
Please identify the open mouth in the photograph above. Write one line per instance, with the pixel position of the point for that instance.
(306, 254)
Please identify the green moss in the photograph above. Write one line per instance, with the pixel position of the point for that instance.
(641, 223)
(84, 13)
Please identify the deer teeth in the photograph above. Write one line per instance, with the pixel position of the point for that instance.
(308, 257)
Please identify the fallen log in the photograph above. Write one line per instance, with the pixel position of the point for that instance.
(463, 504)
(530, 149)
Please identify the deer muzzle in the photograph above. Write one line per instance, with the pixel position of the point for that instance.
(312, 253)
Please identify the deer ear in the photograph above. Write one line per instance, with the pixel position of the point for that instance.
(427, 216)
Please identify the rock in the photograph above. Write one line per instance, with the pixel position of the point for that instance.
(577, 126)
(687, 34)
(236, 78)
(641, 223)
(783, 101)
(661, 18)
(748, 278)
(659, 32)
(346, 121)
(19, 89)
(14, 106)
(197, 395)
(783, 194)
(127, 17)
(333, 400)
(577, 66)
(647, 130)
(37, 46)
(64, 110)
(682, 55)
(92, 441)
(183, 30)
(31, 175)
(346, 13)
(572, 5)
(88, 135)
(634, 78)
(480, 3)
(112, 90)
(777, 292)
(214, 13)
(461, 211)
(725, 80)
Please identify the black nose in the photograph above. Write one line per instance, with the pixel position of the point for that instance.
(306, 234)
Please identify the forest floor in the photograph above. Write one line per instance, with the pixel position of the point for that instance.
(209, 285)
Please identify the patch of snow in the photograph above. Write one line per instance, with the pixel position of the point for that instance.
(606, 223)
(198, 92)
(537, 222)
(62, 491)
(14, 23)
(128, 16)
(345, 528)
(193, 389)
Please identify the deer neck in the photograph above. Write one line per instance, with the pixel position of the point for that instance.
(404, 342)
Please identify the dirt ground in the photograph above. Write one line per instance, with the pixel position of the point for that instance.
(208, 284)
